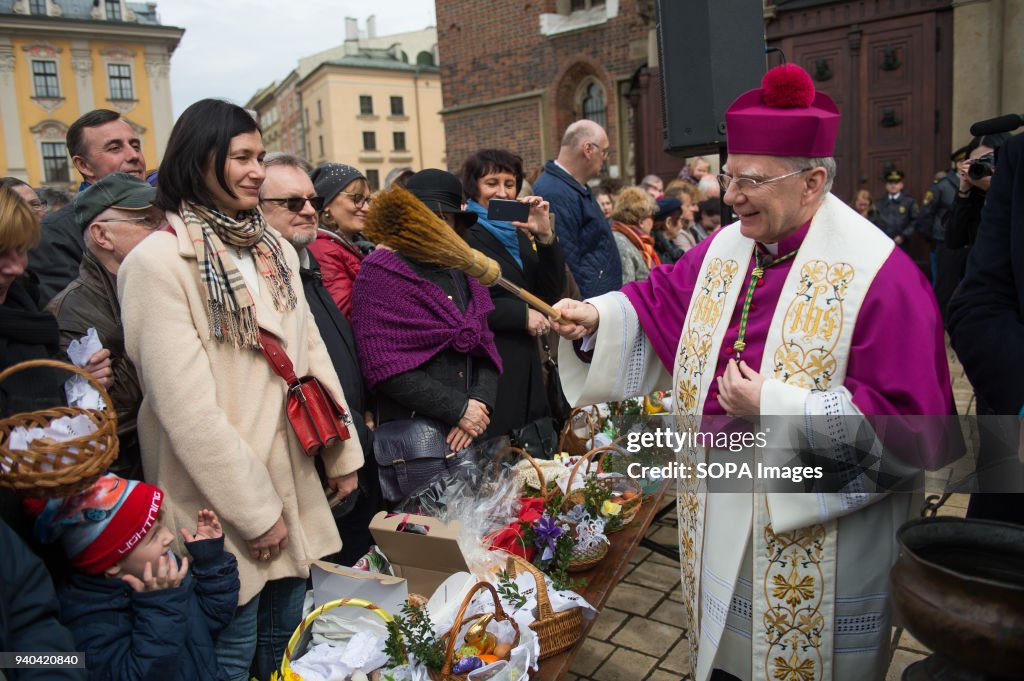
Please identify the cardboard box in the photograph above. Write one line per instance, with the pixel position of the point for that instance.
(331, 582)
(423, 560)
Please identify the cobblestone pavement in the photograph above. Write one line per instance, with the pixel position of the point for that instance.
(641, 633)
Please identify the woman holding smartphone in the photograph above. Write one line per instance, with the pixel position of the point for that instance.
(530, 257)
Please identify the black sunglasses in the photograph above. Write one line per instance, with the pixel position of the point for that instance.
(296, 203)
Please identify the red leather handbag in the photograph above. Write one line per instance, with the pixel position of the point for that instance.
(318, 421)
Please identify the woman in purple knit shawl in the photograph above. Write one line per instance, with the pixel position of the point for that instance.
(421, 331)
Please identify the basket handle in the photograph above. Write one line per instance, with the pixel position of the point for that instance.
(307, 622)
(603, 450)
(54, 364)
(453, 633)
(544, 609)
(567, 428)
(533, 462)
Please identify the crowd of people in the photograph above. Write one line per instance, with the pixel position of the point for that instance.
(185, 272)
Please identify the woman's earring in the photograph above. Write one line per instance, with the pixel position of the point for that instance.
(325, 218)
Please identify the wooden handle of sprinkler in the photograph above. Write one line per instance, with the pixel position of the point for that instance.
(528, 297)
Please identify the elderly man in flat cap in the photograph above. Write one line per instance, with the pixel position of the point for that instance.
(801, 311)
(115, 215)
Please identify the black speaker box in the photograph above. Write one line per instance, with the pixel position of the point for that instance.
(710, 52)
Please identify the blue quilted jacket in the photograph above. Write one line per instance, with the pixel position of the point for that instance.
(583, 232)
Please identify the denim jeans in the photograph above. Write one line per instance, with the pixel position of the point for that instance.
(257, 636)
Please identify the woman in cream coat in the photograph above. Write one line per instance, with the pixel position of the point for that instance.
(212, 424)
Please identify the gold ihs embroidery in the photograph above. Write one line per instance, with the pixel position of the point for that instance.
(813, 325)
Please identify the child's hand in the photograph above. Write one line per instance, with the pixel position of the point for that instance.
(167, 575)
(208, 527)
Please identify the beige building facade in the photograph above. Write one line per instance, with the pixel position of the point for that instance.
(372, 102)
(374, 116)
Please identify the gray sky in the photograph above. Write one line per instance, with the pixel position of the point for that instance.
(232, 48)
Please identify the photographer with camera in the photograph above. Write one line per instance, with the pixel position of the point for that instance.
(975, 173)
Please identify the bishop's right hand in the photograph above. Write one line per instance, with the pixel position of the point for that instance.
(578, 319)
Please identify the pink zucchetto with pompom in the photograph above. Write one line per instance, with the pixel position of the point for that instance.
(786, 116)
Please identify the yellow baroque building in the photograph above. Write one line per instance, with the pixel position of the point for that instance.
(62, 58)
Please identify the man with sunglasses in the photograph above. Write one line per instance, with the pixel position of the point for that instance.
(115, 214)
(801, 314)
(291, 205)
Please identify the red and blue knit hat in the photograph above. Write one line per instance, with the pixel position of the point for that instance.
(786, 116)
(102, 525)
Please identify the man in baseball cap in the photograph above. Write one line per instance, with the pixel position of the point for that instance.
(115, 215)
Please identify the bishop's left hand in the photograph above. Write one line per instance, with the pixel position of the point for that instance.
(739, 390)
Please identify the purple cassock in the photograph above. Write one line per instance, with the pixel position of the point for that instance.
(897, 363)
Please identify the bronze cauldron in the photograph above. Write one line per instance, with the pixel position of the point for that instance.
(958, 587)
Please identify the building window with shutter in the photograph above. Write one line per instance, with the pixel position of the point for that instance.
(44, 78)
(373, 179)
(321, 140)
(369, 141)
(55, 162)
(397, 106)
(113, 8)
(365, 105)
(120, 77)
(319, 111)
(399, 140)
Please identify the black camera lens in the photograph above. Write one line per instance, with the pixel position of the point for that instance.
(980, 167)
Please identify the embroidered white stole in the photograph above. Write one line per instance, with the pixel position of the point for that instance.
(808, 346)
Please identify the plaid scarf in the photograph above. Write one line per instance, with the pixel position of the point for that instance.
(231, 311)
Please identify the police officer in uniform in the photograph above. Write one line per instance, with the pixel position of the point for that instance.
(896, 212)
(936, 204)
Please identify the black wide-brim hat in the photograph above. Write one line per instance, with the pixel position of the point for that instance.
(441, 192)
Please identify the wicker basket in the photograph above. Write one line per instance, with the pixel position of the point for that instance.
(299, 640)
(57, 469)
(450, 639)
(570, 441)
(629, 508)
(547, 488)
(556, 631)
(584, 560)
(580, 561)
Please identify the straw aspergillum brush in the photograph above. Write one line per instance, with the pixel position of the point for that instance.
(400, 221)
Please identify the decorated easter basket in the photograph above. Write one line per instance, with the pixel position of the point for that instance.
(556, 631)
(582, 417)
(300, 638)
(629, 487)
(57, 469)
(449, 640)
(582, 559)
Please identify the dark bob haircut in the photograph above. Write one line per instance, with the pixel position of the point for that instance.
(201, 136)
(485, 162)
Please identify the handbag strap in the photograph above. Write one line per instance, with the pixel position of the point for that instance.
(277, 357)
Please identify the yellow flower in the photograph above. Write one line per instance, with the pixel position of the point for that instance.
(609, 508)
